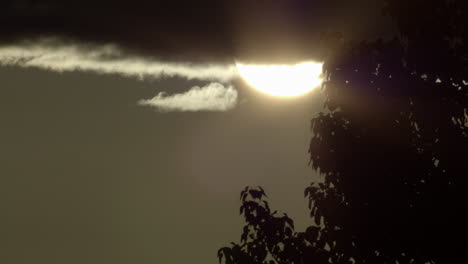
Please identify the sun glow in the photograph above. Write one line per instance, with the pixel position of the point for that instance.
(282, 80)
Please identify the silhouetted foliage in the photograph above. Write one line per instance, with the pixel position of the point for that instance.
(392, 150)
(270, 238)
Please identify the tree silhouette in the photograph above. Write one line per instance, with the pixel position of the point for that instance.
(392, 150)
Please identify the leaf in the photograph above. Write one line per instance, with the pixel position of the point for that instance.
(244, 234)
(243, 197)
(312, 233)
(288, 232)
(289, 221)
(263, 191)
(256, 194)
(267, 207)
(224, 252)
(317, 219)
(244, 193)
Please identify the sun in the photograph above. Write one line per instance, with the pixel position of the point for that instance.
(282, 80)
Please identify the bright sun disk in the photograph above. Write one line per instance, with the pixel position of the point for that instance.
(282, 80)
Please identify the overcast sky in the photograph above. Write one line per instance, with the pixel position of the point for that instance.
(127, 135)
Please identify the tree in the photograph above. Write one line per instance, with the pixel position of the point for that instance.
(270, 238)
(392, 150)
(393, 155)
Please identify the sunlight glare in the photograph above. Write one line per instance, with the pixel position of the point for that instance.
(282, 80)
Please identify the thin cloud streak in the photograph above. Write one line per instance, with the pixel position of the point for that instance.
(108, 59)
(212, 97)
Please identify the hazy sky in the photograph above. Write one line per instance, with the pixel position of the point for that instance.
(89, 175)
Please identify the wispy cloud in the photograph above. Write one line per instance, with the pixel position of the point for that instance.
(60, 57)
(106, 59)
(212, 97)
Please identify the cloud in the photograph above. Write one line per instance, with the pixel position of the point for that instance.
(106, 59)
(55, 55)
(212, 97)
